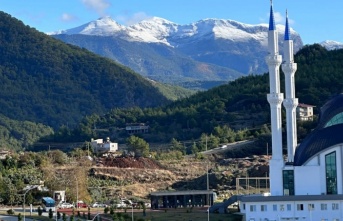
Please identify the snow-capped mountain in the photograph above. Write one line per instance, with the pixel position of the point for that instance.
(332, 45)
(210, 49)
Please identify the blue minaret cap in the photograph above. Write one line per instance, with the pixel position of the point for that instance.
(271, 18)
(287, 31)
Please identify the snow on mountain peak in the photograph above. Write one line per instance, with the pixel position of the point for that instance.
(159, 30)
(331, 45)
(154, 29)
(104, 26)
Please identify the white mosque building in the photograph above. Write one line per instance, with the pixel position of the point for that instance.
(308, 183)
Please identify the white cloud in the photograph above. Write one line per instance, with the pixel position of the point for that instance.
(132, 19)
(99, 6)
(279, 19)
(67, 17)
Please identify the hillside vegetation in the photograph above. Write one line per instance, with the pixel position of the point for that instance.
(240, 106)
(46, 81)
(85, 96)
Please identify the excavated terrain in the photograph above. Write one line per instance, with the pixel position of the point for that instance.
(139, 176)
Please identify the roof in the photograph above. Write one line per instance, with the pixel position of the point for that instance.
(331, 108)
(48, 199)
(305, 105)
(323, 136)
(287, 31)
(187, 192)
(271, 19)
(317, 141)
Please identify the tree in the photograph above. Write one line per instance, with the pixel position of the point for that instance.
(40, 211)
(20, 218)
(176, 145)
(194, 148)
(50, 213)
(8, 191)
(139, 146)
(64, 217)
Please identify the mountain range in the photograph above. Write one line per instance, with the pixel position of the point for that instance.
(207, 50)
(332, 45)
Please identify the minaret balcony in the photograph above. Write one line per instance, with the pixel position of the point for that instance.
(290, 103)
(275, 98)
(274, 60)
(289, 68)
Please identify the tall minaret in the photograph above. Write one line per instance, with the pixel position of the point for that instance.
(290, 103)
(275, 99)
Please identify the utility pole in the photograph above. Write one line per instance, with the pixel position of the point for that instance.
(32, 187)
(207, 185)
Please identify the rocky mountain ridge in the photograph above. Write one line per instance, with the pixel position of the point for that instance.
(207, 50)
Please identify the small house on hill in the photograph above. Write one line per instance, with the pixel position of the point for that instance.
(104, 147)
(305, 112)
(137, 128)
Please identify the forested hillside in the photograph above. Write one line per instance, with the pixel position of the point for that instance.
(46, 81)
(235, 111)
(17, 135)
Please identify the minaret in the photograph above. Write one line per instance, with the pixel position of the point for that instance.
(275, 99)
(290, 103)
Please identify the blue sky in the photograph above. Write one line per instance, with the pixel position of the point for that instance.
(314, 20)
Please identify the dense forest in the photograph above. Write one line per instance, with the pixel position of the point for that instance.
(47, 81)
(235, 111)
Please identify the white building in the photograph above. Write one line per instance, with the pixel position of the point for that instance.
(308, 184)
(305, 112)
(104, 147)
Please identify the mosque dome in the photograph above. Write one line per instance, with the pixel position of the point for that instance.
(327, 134)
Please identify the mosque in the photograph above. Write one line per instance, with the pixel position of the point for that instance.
(308, 183)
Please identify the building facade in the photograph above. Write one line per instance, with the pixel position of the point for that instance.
(305, 112)
(104, 147)
(308, 184)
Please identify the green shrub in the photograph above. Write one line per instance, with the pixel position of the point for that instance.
(64, 217)
(40, 211)
(50, 213)
(20, 218)
(106, 210)
(10, 212)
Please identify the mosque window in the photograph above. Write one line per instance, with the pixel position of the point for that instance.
(335, 206)
(288, 182)
(300, 207)
(289, 207)
(274, 207)
(337, 119)
(331, 173)
(323, 206)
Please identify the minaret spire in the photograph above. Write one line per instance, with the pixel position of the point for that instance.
(275, 98)
(271, 18)
(290, 103)
(287, 31)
